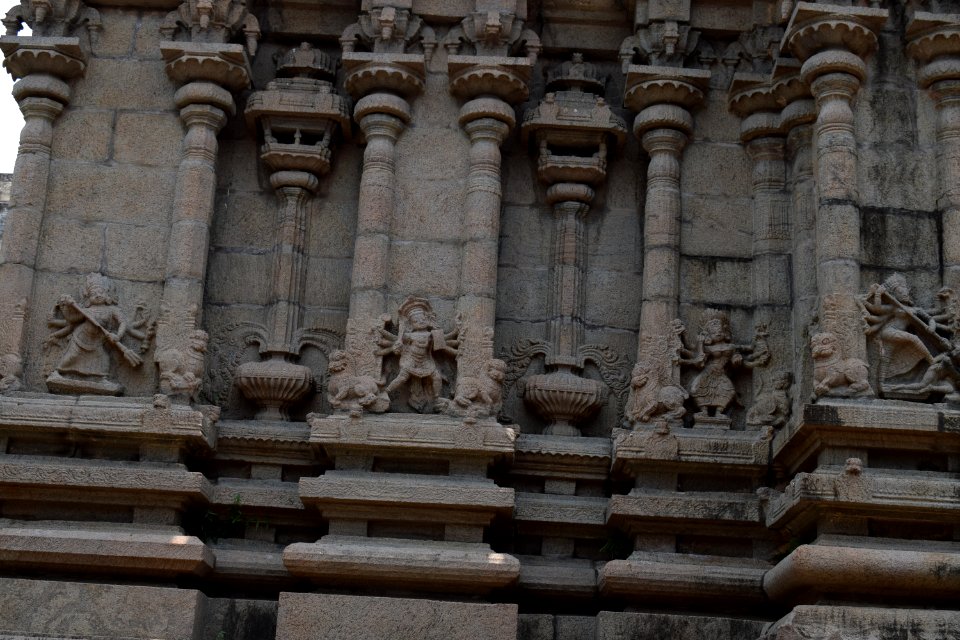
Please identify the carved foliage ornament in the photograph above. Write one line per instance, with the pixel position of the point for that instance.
(215, 21)
(52, 18)
(389, 28)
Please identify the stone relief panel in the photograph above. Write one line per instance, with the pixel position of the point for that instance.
(181, 353)
(89, 336)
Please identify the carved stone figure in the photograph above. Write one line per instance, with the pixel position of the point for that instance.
(833, 374)
(480, 376)
(772, 406)
(181, 353)
(11, 371)
(655, 389)
(712, 389)
(94, 327)
(212, 21)
(416, 341)
(892, 317)
(349, 391)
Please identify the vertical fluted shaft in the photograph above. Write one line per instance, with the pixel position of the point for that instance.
(382, 117)
(663, 131)
(771, 225)
(293, 190)
(203, 111)
(946, 93)
(838, 214)
(487, 121)
(565, 330)
(41, 98)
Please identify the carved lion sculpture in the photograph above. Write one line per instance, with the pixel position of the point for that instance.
(833, 374)
(181, 367)
(347, 391)
(480, 395)
(651, 399)
(11, 368)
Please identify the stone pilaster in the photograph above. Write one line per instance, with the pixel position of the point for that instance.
(934, 42)
(762, 135)
(42, 67)
(207, 74)
(663, 97)
(382, 118)
(832, 41)
(487, 121)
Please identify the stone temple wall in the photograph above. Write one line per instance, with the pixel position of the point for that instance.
(526, 319)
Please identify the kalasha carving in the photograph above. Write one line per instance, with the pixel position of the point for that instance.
(837, 372)
(94, 327)
(918, 349)
(181, 353)
(417, 341)
(216, 21)
(53, 18)
(11, 335)
(655, 391)
(480, 376)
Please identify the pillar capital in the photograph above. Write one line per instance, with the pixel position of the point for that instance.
(816, 27)
(60, 58)
(647, 85)
(225, 65)
(486, 117)
(664, 117)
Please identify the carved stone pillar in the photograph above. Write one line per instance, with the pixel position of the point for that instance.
(831, 41)
(663, 97)
(564, 395)
(935, 44)
(42, 65)
(207, 73)
(762, 135)
(382, 118)
(488, 121)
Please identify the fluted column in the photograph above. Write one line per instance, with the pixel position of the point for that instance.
(294, 189)
(831, 42)
(206, 74)
(382, 117)
(935, 44)
(663, 131)
(203, 110)
(571, 203)
(487, 121)
(42, 65)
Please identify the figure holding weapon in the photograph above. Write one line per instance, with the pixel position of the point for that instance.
(94, 326)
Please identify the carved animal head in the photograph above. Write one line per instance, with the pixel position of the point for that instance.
(496, 370)
(339, 361)
(10, 365)
(823, 345)
(198, 340)
(641, 373)
(782, 380)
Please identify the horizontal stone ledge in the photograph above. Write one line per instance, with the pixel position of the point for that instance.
(566, 457)
(692, 509)
(130, 419)
(737, 452)
(842, 565)
(250, 564)
(102, 548)
(401, 490)
(547, 509)
(433, 436)
(99, 481)
(265, 442)
(259, 494)
(410, 564)
(875, 493)
(558, 576)
(683, 576)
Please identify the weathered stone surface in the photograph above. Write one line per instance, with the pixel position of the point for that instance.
(302, 616)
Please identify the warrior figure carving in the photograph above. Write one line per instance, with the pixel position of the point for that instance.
(95, 326)
(416, 342)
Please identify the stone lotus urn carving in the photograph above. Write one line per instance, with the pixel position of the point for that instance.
(300, 117)
(571, 129)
